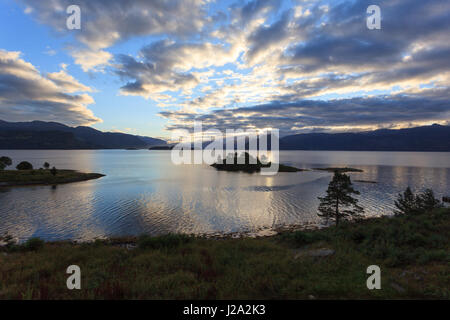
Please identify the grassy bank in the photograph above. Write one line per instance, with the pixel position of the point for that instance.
(43, 176)
(412, 251)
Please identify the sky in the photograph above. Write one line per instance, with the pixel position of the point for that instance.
(150, 67)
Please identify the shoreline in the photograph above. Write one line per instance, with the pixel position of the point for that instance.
(258, 233)
(262, 232)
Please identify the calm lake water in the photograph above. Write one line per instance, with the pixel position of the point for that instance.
(143, 192)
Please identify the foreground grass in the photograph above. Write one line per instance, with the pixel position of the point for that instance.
(43, 176)
(413, 253)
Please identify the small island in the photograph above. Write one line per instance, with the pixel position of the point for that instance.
(161, 148)
(25, 174)
(365, 181)
(338, 169)
(246, 163)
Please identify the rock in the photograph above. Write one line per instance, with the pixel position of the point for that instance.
(311, 297)
(131, 246)
(266, 233)
(321, 253)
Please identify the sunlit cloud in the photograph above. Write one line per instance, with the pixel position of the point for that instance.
(27, 94)
(293, 65)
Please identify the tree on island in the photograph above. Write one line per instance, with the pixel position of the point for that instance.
(53, 171)
(4, 162)
(24, 165)
(338, 203)
(408, 203)
(46, 165)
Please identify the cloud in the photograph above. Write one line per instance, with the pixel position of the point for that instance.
(91, 60)
(28, 10)
(67, 83)
(106, 22)
(27, 94)
(338, 114)
(49, 51)
(168, 66)
(326, 49)
(316, 61)
(268, 37)
(252, 9)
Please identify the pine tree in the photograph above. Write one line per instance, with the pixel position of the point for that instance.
(427, 201)
(406, 203)
(338, 203)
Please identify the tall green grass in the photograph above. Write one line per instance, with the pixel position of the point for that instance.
(412, 251)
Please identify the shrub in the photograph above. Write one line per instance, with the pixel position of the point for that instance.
(415, 240)
(434, 255)
(8, 240)
(405, 203)
(4, 162)
(53, 171)
(427, 201)
(24, 165)
(397, 257)
(357, 236)
(33, 244)
(162, 242)
(46, 165)
(302, 237)
(437, 240)
(410, 204)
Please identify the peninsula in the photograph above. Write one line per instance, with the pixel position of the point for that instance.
(11, 178)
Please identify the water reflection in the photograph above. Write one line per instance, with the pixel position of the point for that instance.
(144, 192)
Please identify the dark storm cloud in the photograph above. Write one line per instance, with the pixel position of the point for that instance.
(290, 117)
(344, 40)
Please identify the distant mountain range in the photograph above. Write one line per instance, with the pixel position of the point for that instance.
(53, 135)
(427, 138)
